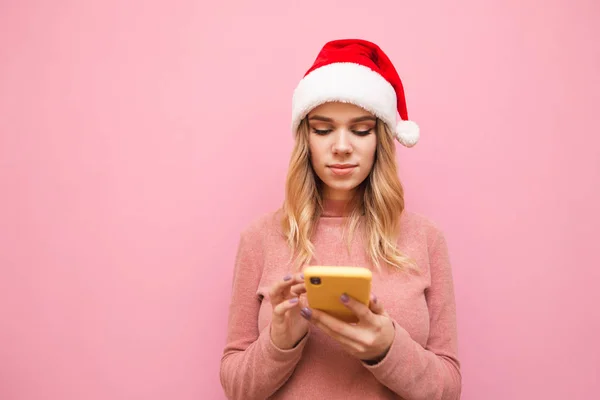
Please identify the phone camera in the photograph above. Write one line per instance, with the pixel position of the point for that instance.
(315, 280)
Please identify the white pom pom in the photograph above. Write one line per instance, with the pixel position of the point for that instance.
(407, 133)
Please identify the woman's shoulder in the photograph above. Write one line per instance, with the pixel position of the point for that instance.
(416, 223)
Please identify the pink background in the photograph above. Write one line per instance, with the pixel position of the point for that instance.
(138, 139)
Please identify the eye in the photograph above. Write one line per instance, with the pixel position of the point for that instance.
(321, 131)
(363, 133)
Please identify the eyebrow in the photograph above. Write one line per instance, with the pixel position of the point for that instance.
(353, 120)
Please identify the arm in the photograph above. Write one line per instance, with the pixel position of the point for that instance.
(252, 367)
(433, 372)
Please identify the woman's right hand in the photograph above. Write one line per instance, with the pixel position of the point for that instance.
(287, 325)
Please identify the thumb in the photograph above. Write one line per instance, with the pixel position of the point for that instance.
(376, 307)
(303, 301)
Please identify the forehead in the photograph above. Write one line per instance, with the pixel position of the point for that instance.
(339, 111)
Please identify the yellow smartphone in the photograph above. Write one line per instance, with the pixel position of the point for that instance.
(326, 284)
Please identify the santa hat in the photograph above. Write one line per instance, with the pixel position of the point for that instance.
(358, 72)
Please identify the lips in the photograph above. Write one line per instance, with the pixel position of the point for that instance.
(341, 166)
(342, 169)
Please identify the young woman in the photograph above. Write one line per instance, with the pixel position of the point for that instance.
(344, 206)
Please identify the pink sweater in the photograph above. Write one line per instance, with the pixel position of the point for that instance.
(422, 362)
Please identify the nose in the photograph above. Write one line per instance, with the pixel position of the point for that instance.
(342, 143)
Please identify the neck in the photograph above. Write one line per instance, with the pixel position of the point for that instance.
(334, 195)
(335, 207)
(338, 207)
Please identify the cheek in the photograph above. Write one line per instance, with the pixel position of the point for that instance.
(316, 155)
(369, 152)
(372, 156)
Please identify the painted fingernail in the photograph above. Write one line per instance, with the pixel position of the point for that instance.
(293, 300)
(287, 277)
(301, 276)
(306, 313)
(374, 299)
(345, 298)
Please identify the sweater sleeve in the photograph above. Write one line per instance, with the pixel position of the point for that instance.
(252, 367)
(432, 372)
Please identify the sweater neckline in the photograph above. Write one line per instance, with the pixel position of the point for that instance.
(335, 208)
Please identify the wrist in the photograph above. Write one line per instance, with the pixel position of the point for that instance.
(390, 335)
(283, 342)
(378, 359)
(301, 339)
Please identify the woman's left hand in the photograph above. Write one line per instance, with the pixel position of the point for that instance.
(369, 340)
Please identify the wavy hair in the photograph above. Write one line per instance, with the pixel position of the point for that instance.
(380, 198)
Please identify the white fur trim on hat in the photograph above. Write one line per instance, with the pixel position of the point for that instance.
(349, 83)
(407, 133)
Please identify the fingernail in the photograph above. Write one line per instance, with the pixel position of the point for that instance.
(345, 298)
(306, 313)
(301, 276)
(374, 299)
(287, 277)
(293, 300)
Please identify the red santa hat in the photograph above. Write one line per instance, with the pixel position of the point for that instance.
(358, 72)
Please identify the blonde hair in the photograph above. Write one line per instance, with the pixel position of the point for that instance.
(380, 198)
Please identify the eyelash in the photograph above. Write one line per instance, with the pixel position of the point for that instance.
(325, 132)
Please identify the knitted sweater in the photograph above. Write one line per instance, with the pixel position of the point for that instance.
(422, 363)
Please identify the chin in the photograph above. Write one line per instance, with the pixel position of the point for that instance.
(345, 187)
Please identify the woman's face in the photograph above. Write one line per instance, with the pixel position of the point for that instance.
(342, 143)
